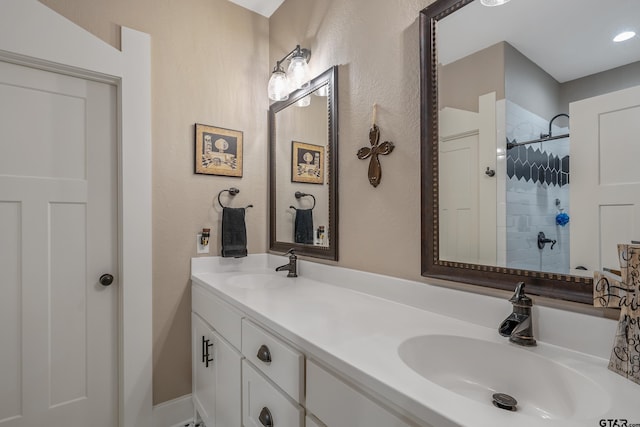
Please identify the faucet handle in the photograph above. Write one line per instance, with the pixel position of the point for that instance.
(291, 252)
(519, 296)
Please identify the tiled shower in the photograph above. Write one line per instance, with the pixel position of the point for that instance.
(537, 190)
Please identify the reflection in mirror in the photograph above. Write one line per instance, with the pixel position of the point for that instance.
(516, 119)
(303, 140)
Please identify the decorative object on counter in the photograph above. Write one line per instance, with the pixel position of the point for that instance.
(624, 294)
(218, 151)
(234, 230)
(307, 163)
(375, 169)
(303, 223)
(296, 77)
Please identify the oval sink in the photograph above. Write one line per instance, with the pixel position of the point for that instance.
(257, 281)
(478, 369)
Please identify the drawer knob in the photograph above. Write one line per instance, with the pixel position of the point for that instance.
(265, 417)
(264, 354)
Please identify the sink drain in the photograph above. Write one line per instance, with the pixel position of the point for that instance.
(504, 401)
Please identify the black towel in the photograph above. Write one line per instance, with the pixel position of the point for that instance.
(234, 233)
(304, 226)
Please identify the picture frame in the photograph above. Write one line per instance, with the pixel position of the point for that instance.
(218, 151)
(307, 163)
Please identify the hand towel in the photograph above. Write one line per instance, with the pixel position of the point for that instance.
(234, 233)
(304, 226)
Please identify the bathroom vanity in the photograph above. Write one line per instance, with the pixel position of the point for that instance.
(337, 347)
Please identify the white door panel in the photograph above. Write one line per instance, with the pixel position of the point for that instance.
(58, 225)
(605, 178)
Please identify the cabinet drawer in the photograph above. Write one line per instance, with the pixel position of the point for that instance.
(260, 398)
(338, 405)
(282, 364)
(223, 317)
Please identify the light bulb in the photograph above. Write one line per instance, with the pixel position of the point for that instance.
(624, 36)
(278, 88)
(492, 3)
(304, 102)
(298, 73)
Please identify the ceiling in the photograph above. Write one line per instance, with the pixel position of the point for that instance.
(568, 39)
(263, 7)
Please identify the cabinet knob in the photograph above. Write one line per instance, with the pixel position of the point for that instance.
(106, 279)
(265, 417)
(264, 354)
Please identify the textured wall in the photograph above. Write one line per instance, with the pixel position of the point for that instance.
(209, 65)
(376, 45)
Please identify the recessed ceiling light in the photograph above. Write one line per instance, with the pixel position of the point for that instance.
(625, 35)
(492, 3)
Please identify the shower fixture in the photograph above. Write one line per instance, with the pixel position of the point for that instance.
(543, 136)
(549, 135)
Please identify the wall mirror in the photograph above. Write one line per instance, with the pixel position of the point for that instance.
(303, 172)
(530, 121)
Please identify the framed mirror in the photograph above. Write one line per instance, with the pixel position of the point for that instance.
(303, 170)
(529, 113)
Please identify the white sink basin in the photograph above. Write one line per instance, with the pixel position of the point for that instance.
(476, 369)
(258, 281)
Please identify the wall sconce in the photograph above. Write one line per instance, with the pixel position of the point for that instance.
(296, 77)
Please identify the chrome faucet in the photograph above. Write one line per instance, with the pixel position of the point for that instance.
(291, 266)
(519, 326)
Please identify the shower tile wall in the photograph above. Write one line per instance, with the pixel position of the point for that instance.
(536, 178)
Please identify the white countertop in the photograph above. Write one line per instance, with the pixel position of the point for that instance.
(358, 335)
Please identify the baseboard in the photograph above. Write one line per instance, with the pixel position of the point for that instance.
(174, 413)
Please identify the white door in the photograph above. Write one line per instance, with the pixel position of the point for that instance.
(58, 324)
(605, 177)
(467, 148)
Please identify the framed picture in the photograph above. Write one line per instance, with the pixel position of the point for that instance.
(218, 151)
(307, 163)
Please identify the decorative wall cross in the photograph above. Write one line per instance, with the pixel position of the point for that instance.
(623, 294)
(375, 169)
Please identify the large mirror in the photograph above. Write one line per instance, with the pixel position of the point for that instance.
(303, 174)
(530, 129)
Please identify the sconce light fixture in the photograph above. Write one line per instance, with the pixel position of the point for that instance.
(492, 3)
(296, 77)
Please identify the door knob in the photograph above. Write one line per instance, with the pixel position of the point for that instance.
(106, 279)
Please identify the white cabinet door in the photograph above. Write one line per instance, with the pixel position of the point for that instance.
(204, 390)
(228, 366)
(216, 377)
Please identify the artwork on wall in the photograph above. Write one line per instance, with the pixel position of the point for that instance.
(218, 151)
(307, 163)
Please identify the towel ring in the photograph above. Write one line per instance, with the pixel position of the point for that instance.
(299, 195)
(232, 192)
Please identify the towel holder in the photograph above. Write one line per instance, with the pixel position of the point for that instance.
(232, 192)
(299, 195)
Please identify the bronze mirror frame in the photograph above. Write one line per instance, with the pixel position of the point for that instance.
(329, 78)
(552, 285)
